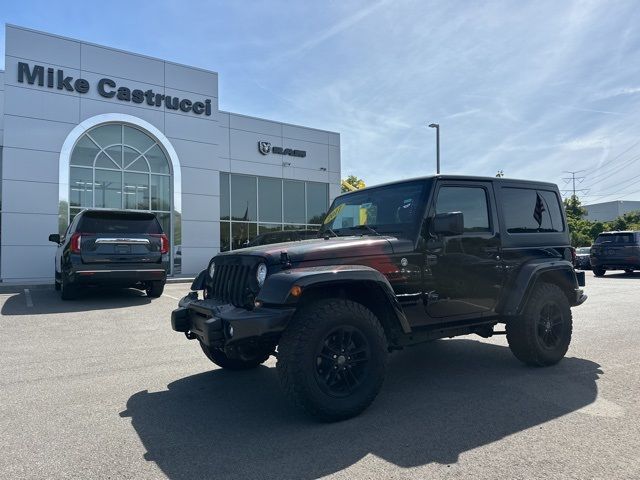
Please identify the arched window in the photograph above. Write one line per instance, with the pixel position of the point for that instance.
(120, 166)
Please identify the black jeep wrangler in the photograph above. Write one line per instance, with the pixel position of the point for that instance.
(394, 265)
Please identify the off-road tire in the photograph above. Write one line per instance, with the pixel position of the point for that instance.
(298, 358)
(68, 291)
(155, 289)
(221, 359)
(524, 332)
(599, 271)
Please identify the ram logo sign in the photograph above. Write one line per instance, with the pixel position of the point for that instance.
(265, 148)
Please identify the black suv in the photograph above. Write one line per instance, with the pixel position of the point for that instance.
(396, 264)
(111, 247)
(615, 251)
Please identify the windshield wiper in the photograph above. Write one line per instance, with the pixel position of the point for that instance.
(330, 230)
(368, 227)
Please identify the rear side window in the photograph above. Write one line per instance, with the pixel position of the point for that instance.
(118, 223)
(528, 210)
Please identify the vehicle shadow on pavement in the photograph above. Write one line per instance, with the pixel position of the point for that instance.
(49, 301)
(439, 400)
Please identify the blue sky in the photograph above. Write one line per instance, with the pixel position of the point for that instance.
(531, 88)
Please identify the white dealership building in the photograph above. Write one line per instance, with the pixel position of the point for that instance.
(83, 125)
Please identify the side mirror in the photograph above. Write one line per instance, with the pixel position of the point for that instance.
(54, 237)
(448, 224)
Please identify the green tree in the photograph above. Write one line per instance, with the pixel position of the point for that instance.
(596, 228)
(354, 182)
(573, 207)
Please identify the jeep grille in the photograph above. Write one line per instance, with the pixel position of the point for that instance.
(234, 283)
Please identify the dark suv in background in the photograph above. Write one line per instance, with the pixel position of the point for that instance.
(111, 247)
(616, 251)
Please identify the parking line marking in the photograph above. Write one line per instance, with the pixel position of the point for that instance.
(165, 295)
(27, 295)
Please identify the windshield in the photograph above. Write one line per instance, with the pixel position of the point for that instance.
(390, 209)
(583, 250)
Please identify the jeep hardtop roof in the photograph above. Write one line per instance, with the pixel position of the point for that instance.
(461, 177)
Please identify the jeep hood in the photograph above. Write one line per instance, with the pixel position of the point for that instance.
(319, 249)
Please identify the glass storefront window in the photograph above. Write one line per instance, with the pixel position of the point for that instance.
(81, 187)
(225, 236)
(255, 206)
(157, 160)
(115, 153)
(317, 202)
(242, 233)
(138, 140)
(106, 135)
(270, 199)
(294, 202)
(160, 193)
(119, 159)
(165, 221)
(269, 227)
(108, 189)
(244, 198)
(224, 196)
(136, 191)
(85, 152)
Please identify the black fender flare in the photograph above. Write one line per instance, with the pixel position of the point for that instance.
(517, 290)
(277, 287)
(200, 282)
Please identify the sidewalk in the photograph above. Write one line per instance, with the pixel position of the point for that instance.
(19, 287)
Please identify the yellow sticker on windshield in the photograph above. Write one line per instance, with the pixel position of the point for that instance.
(331, 216)
(364, 212)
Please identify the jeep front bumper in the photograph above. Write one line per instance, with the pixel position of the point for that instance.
(218, 325)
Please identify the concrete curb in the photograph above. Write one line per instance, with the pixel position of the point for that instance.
(19, 287)
(180, 280)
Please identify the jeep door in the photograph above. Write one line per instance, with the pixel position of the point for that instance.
(463, 273)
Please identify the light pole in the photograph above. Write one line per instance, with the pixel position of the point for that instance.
(437, 127)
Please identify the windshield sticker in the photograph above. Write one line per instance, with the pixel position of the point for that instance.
(331, 216)
(363, 215)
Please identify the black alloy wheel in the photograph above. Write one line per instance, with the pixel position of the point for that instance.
(550, 326)
(342, 361)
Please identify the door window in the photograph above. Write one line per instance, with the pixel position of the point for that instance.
(471, 201)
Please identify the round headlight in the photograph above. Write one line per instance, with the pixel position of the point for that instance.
(212, 269)
(261, 274)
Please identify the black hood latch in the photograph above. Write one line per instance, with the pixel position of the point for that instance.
(285, 260)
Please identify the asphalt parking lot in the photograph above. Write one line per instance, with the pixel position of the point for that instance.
(103, 388)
